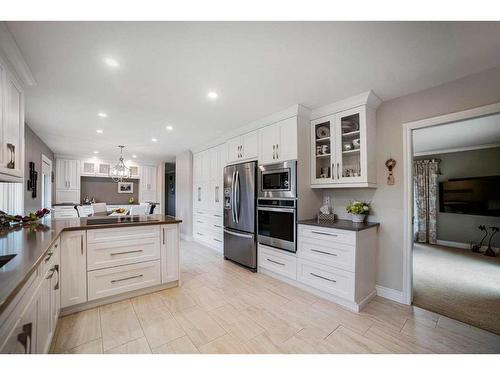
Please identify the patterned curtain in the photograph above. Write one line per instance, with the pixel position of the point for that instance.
(425, 187)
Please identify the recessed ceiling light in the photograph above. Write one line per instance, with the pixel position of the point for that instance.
(102, 115)
(212, 95)
(96, 152)
(169, 127)
(111, 62)
(99, 131)
(154, 139)
(134, 156)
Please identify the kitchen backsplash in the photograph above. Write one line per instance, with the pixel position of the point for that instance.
(106, 190)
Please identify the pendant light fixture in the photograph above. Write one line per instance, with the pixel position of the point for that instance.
(120, 171)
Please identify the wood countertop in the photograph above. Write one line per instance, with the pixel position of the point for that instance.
(31, 243)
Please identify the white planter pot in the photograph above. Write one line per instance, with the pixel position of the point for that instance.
(358, 218)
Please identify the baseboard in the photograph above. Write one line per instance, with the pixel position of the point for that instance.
(392, 294)
(460, 245)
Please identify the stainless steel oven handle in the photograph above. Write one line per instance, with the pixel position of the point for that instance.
(249, 236)
(276, 209)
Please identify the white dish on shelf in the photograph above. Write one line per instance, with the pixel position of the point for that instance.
(323, 132)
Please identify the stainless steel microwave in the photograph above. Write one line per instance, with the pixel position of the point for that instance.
(278, 180)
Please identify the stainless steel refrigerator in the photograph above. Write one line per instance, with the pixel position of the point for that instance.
(240, 239)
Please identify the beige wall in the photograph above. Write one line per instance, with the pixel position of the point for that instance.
(184, 192)
(469, 92)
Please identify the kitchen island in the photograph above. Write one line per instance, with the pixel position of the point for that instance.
(64, 266)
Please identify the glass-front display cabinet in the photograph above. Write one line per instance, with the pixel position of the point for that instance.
(343, 149)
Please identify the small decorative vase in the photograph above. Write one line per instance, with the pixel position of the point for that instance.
(358, 218)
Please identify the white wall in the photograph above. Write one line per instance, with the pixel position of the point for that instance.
(184, 192)
(473, 91)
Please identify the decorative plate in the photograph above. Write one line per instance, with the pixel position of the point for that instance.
(323, 132)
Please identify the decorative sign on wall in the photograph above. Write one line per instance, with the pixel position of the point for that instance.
(390, 164)
(125, 187)
(33, 177)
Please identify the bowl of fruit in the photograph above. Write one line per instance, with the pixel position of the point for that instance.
(120, 210)
(7, 220)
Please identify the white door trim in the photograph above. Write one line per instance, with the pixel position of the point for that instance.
(408, 186)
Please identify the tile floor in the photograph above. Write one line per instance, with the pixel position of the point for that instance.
(222, 308)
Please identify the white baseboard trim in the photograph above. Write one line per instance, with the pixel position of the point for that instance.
(458, 245)
(392, 294)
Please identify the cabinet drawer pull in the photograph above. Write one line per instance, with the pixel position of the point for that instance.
(81, 243)
(198, 221)
(325, 234)
(324, 252)
(199, 234)
(49, 255)
(127, 278)
(322, 277)
(163, 232)
(127, 252)
(217, 226)
(52, 271)
(215, 239)
(217, 215)
(273, 261)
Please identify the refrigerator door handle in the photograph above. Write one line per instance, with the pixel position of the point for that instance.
(249, 236)
(232, 197)
(237, 194)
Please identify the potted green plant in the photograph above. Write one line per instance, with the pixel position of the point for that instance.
(358, 210)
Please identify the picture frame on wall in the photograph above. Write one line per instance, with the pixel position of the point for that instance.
(125, 187)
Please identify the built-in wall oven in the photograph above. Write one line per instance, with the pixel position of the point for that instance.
(278, 180)
(277, 223)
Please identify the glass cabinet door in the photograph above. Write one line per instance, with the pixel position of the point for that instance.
(350, 150)
(323, 149)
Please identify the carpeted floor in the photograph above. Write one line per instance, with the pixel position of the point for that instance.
(458, 284)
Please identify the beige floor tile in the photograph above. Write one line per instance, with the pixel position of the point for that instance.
(394, 340)
(343, 340)
(182, 345)
(77, 329)
(92, 347)
(263, 344)
(226, 344)
(138, 346)
(484, 337)
(119, 324)
(199, 326)
(237, 323)
(148, 302)
(177, 299)
(386, 314)
(278, 330)
(207, 298)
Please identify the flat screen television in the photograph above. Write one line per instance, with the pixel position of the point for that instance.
(471, 196)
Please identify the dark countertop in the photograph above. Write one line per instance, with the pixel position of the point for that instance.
(339, 224)
(31, 244)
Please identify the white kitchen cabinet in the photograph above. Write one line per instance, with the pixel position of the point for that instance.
(208, 196)
(147, 189)
(278, 142)
(134, 171)
(73, 268)
(169, 253)
(68, 174)
(243, 148)
(343, 152)
(103, 169)
(11, 127)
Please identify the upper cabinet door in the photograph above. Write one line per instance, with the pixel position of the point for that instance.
(215, 163)
(286, 148)
(234, 149)
(350, 126)
(73, 168)
(250, 145)
(61, 181)
(269, 139)
(323, 143)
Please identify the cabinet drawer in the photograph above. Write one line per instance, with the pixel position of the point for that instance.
(328, 234)
(122, 234)
(327, 279)
(329, 253)
(116, 280)
(200, 221)
(118, 253)
(277, 262)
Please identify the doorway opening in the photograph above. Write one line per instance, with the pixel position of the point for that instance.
(452, 194)
(170, 189)
(46, 183)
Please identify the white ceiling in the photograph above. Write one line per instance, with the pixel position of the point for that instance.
(167, 68)
(474, 133)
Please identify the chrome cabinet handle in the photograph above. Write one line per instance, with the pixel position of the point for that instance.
(277, 152)
(127, 278)
(199, 234)
(338, 175)
(25, 337)
(273, 261)
(215, 239)
(127, 252)
(324, 252)
(325, 234)
(199, 194)
(52, 271)
(274, 152)
(81, 243)
(217, 226)
(56, 269)
(163, 232)
(322, 277)
(49, 255)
